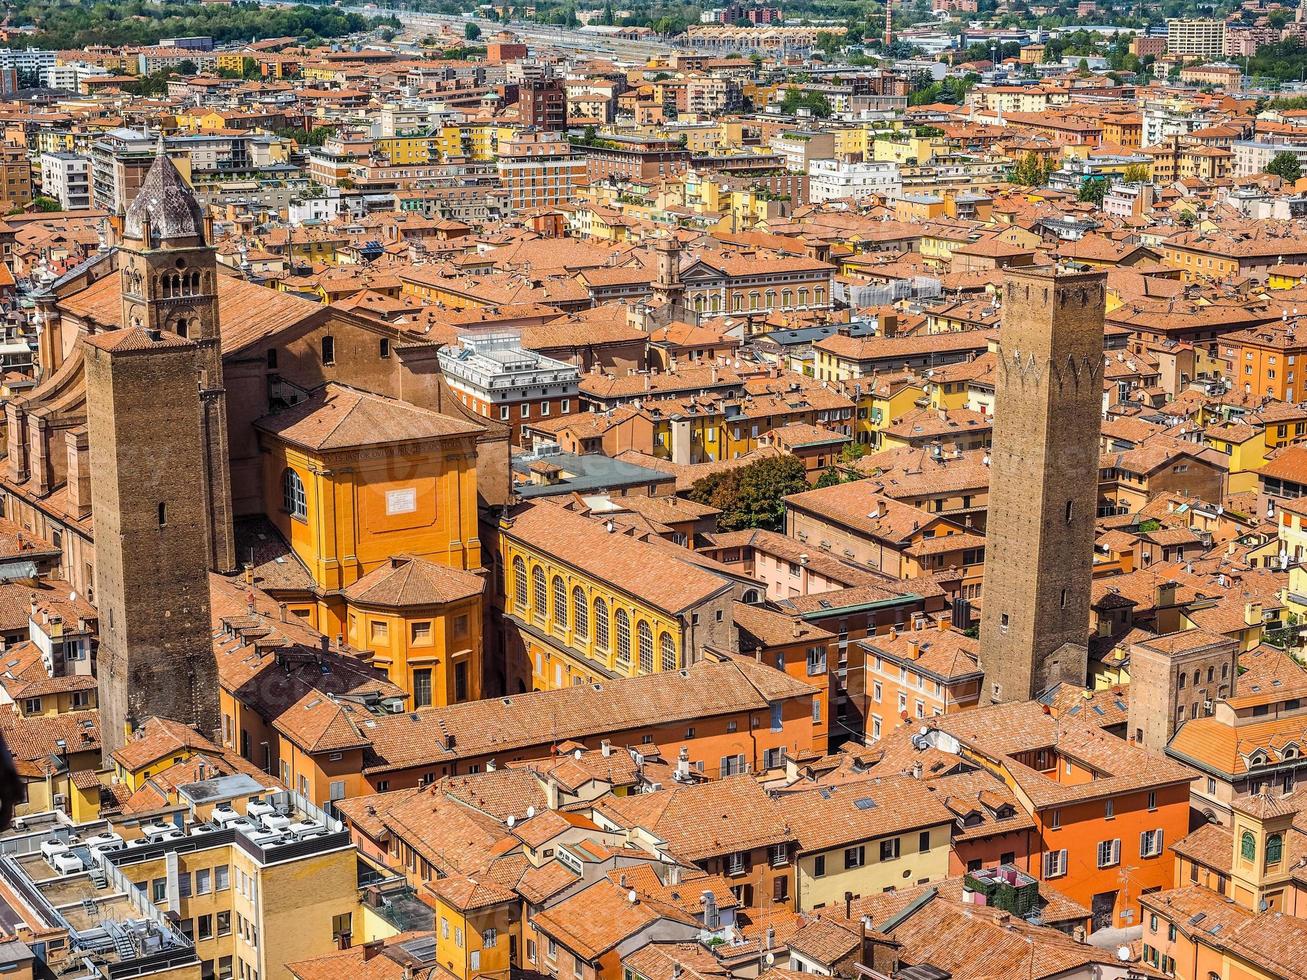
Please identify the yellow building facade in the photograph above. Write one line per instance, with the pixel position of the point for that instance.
(383, 515)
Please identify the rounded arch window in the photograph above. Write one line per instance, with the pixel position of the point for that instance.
(539, 594)
(644, 638)
(560, 603)
(667, 651)
(1274, 849)
(580, 614)
(601, 624)
(293, 499)
(519, 583)
(1248, 846)
(623, 636)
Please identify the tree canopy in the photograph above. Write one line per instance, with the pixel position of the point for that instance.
(752, 496)
(1285, 165)
(1093, 190)
(71, 24)
(1031, 171)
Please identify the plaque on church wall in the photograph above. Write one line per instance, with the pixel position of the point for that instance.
(401, 501)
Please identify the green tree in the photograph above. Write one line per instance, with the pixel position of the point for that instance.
(851, 453)
(752, 496)
(1285, 165)
(1030, 172)
(815, 102)
(1093, 190)
(1137, 173)
(43, 203)
(471, 31)
(829, 477)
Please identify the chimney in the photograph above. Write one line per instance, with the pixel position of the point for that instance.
(605, 748)
(683, 765)
(711, 916)
(1164, 595)
(372, 949)
(848, 905)
(1252, 613)
(889, 325)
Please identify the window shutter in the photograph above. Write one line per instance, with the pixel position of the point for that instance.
(1143, 844)
(1116, 851)
(742, 764)
(1159, 848)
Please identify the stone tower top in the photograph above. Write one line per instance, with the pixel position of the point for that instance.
(165, 209)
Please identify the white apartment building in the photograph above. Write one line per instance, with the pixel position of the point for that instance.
(68, 78)
(830, 180)
(1201, 36)
(67, 178)
(1252, 156)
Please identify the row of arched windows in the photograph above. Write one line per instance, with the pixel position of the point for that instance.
(591, 620)
(174, 284)
(1274, 847)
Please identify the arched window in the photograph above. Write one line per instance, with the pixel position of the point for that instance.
(1248, 846)
(1225, 671)
(293, 500)
(601, 625)
(623, 637)
(1274, 849)
(519, 584)
(667, 651)
(560, 603)
(644, 637)
(163, 514)
(540, 596)
(580, 614)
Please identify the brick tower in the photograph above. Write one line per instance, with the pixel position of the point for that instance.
(169, 275)
(159, 490)
(1043, 492)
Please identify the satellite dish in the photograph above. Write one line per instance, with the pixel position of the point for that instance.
(576, 754)
(510, 821)
(530, 812)
(770, 958)
(1123, 954)
(632, 897)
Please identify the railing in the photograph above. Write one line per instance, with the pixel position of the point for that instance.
(33, 896)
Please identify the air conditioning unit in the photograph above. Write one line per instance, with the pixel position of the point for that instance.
(60, 801)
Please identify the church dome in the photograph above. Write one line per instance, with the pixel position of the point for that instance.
(166, 203)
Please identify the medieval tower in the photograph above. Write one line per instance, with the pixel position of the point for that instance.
(160, 488)
(1043, 492)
